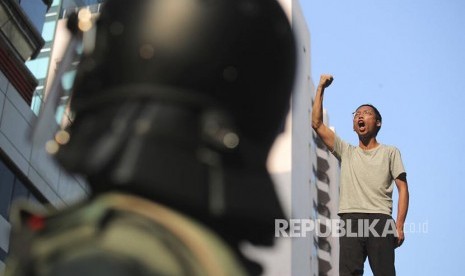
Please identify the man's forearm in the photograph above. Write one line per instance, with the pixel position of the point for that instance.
(402, 207)
(317, 110)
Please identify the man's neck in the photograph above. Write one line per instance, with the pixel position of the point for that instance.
(367, 143)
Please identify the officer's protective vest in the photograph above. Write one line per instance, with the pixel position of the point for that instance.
(116, 234)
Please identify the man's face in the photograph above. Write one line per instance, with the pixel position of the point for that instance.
(365, 123)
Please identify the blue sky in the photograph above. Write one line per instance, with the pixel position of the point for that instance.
(408, 59)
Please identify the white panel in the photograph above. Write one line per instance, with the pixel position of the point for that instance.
(287, 7)
(301, 153)
(283, 185)
(3, 83)
(15, 127)
(13, 153)
(45, 166)
(4, 234)
(2, 103)
(280, 157)
(82, 182)
(44, 188)
(23, 108)
(69, 189)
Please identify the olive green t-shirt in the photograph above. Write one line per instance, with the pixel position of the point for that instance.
(367, 176)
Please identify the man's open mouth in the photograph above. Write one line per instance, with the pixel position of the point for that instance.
(361, 125)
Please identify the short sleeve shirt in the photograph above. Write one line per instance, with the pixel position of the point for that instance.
(366, 182)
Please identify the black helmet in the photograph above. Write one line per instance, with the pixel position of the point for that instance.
(239, 53)
(163, 71)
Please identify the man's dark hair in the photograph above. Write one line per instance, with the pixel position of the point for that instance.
(377, 114)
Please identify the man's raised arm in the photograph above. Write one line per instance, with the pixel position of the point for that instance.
(326, 134)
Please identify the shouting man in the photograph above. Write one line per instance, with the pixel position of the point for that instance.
(367, 174)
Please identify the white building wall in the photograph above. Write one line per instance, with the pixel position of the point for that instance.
(293, 164)
(303, 192)
(329, 186)
(333, 173)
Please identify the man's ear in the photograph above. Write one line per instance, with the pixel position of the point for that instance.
(378, 123)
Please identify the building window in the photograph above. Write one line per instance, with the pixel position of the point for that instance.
(13, 188)
(323, 177)
(49, 30)
(324, 244)
(38, 67)
(19, 42)
(324, 210)
(2, 254)
(7, 179)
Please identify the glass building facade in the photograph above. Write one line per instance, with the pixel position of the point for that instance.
(27, 32)
(40, 66)
(43, 66)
